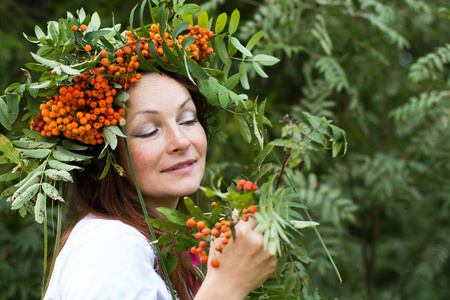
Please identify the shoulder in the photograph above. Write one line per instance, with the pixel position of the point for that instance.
(103, 258)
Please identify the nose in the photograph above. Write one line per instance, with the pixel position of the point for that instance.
(177, 140)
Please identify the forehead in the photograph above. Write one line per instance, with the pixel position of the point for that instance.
(154, 89)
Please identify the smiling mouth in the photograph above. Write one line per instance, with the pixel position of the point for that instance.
(179, 166)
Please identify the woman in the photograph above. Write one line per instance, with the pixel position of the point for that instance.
(107, 254)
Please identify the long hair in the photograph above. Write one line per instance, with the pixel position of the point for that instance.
(113, 197)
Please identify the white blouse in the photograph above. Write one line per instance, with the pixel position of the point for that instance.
(106, 259)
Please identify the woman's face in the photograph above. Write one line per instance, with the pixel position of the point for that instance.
(167, 144)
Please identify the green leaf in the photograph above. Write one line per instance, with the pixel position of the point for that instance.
(239, 46)
(44, 61)
(39, 33)
(220, 23)
(39, 208)
(62, 166)
(58, 175)
(95, 21)
(12, 103)
(122, 96)
(171, 263)
(51, 191)
(234, 21)
(179, 28)
(62, 154)
(72, 145)
(34, 153)
(206, 90)
(304, 224)
(259, 70)
(159, 60)
(30, 144)
(265, 60)
(254, 40)
(194, 210)
(203, 19)
(174, 59)
(243, 73)
(196, 70)
(4, 119)
(232, 81)
(188, 9)
(188, 18)
(163, 224)
(35, 135)
(26, 196)
(8, 149)
(174, 215)
(106, 168)
(110, 137)
(220, 48)
(9, 191)
(243, 127)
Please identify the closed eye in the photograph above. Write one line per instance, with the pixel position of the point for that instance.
(189, 122)
(148, 134)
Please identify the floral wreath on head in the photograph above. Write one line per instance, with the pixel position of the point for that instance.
(77, 105)
(78, 102)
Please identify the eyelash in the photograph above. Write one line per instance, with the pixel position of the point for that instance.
(188, 122)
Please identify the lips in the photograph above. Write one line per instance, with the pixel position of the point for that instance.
(180, 165)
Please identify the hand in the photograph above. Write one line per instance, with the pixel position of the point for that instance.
(244, 265)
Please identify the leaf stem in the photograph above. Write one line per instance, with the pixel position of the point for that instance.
(152, 232)
(286, 156)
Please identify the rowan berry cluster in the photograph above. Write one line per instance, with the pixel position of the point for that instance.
(221, 231)
(79, 111)
(82, 109)
(244, 185)
(199, 48)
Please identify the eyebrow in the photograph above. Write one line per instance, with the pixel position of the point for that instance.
(155, 111)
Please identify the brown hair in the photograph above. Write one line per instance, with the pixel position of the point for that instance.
(113, 197)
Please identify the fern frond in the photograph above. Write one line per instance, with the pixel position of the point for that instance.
(394, 36)
(333, 72)
(384, 12)
(429, 65)
(411, 115)
(321, 34)
(418, 6)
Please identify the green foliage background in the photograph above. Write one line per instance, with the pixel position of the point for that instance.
(380, 70)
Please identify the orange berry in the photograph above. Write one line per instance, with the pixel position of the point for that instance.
(200, 224)
(198, 235)
(205, 231)
(224, 241)
(248, 186)
(193, 250)
(104, 61)
(87, 48)
(74, 27)
(215, 232)
(203, 259)
(213, 204)
(63, 90)
(209, 51)
(215, 263)
(245, 217)
(252, 209)
(219, 248)
(202, 244)
(190, 223)
(83, 27)
(119, 52)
